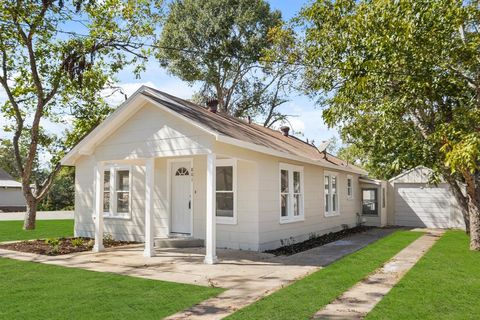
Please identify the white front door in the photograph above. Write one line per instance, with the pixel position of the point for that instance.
(181, 197)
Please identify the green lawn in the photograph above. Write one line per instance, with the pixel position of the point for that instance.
(39, 291)
(304, 297)
(12, 230)
(444, 284)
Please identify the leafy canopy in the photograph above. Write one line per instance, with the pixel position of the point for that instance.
(400, 78)
(219, 43)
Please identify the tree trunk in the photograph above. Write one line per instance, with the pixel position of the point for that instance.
(473, 194)
(474, 209)
(30, 215)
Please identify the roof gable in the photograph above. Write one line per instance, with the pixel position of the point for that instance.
(224, 127)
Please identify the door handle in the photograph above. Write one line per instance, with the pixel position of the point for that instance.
(189, 204)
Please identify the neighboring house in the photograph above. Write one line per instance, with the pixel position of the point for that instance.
(11, 195)
(162, 167)
(416, 203)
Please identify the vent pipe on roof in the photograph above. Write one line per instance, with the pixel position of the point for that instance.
(285, 130)
(212, 105)
(249, 120)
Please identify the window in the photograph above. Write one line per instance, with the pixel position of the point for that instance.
(383, 198)
(116, 192)
(349, 187)
(369, 202)
(291, 193)
(225, 192)
(331, 194)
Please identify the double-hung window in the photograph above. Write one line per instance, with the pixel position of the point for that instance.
(349, 187)
(226, 181)
(291, 193)
(331, 194)
(117, 192)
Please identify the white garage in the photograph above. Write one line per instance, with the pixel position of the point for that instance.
(418, 204)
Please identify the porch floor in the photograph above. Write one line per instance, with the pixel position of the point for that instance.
(246, 275)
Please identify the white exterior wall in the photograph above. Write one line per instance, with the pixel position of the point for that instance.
(11, 197)
(152, 132)
(315, 222)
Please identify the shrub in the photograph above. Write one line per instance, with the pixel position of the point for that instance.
(52, 242)
(108, 239)
(77, 242)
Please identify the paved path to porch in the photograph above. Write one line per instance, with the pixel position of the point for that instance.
(246, 276)
(364, 296)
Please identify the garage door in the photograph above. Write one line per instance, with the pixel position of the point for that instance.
(418, 205)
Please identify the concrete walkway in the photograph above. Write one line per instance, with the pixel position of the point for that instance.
(364, 296)
(41, 215)
(246, 276)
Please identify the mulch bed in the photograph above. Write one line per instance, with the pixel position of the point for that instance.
(314, 242)
(64, 245)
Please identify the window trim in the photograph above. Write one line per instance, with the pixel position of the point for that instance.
(290, 168)
(350, 196)
(227, 163)
(112, 213)
(330, 212)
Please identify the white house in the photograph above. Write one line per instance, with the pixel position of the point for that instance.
(162, 167)
(11, 195)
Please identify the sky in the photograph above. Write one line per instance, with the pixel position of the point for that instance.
(306, 119)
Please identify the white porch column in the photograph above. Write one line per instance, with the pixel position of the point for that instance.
(210, 241)
(149, 185)
(99, 173)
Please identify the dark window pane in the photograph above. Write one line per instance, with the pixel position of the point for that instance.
(284, 181)
(123, 180)
(106, 180)
(224, 178)
(296, 205)
(224, 204)
(122, 202)
(296, 182)
(106, 201)
(284, 205)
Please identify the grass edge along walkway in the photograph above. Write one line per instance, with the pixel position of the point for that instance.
(303, 298)
(32, 290)
(12, 230)
(444, 284)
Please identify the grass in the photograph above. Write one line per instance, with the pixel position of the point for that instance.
(306, 296)
(12, 230)
(38, 291)
(444, 284)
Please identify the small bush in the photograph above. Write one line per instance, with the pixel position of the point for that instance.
(52, 242)
(77, 242)
(108, 239)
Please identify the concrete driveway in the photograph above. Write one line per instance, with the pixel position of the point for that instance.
(246, 275)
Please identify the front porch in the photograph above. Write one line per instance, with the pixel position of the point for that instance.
(113, 193)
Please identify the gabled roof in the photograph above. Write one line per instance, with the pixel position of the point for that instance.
(6, 180)
(227, 129)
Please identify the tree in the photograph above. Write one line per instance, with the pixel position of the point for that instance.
(61, 195)
(53, 74)
(403, 84)
(220, 44)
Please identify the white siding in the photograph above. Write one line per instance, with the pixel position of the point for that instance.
(11, 197)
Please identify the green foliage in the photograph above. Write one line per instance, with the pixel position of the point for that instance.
(61, 195)
(220, 44)
(108, 239)
(51, 74)
(52, 242)
(401, 79)
(78, 242)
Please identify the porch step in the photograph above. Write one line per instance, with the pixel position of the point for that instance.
(178, 242)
